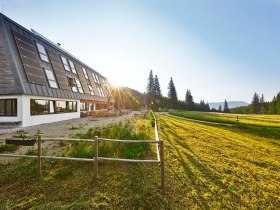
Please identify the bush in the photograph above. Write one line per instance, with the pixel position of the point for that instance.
(112, 149)
(151, 118)
(8, 148)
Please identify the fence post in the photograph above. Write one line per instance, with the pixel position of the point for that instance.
(236, 120)
(39, 154)
(161, 152)
(96, 157)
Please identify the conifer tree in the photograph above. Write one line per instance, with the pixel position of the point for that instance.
(255, 105)
(226, 109)
(220, 108)
(189, 100)
(157, 93)
(172, 94)
(150, 89)
(157, 87)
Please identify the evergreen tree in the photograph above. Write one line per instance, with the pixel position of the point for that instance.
(189, 100)
(207, 107)
(157, 87)
(262, 99)
(150, 89)
(172, 94)
(220, 108)
(255, 105)
(226, 109)
(157, 92)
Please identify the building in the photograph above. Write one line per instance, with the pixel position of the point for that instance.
(42, 83)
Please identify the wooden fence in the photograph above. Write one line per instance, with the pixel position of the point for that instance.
(96, 159)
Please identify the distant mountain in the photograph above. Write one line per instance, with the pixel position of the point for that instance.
(231, 104)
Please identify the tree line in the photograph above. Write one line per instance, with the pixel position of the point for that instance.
(155, 100)
(260, 106)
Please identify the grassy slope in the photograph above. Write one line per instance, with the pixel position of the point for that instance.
(206, 167)
(220, 167)
(260, 120)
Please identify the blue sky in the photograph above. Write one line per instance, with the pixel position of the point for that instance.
(216, 48)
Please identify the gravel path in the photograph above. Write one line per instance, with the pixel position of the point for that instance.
(65, 128)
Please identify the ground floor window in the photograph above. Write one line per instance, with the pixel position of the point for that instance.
(39, 106)
(8, 107)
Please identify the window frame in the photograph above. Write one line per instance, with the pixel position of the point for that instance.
(14, 107)
(42, 53)
(50, 79)
(65, 65)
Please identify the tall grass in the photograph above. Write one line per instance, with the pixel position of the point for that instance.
(113, 149)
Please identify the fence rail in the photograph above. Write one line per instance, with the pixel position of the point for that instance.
(96, 159)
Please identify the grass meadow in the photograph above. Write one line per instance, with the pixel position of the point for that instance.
(206, 167)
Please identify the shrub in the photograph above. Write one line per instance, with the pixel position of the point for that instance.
(112, 149)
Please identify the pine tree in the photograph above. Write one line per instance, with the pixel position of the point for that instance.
(255, 105)
(262, 99)
(157, 87)
(220, 108)
(172, 94)
(226, 109)
(189, 100)
(157, 92)
(150, 89)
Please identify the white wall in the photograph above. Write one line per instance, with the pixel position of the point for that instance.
(17, 118)
(29, 120)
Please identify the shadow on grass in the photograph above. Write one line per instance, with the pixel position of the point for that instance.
(191, 166)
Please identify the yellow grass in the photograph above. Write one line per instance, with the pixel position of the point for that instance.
(220, 167)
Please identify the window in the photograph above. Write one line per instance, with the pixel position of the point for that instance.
(60, 106)
(65, 63)
(85, 72)
(79, 86)
(71, 106)
(39, 106)
(99, 91)
(51, 78)
(84, 106)
(90, 90)
(72, 67)
(72, 84)
(95, 78)
(8, 107)
(102, 92)
(42, 52)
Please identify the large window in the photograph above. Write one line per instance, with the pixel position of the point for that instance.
(8, 107)
(84, 106)
(72, 67)
(42, 52)
(65, 63)
(40, 107)
(51, 78)
(85, 72)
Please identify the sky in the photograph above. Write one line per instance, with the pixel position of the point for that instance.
(219, 49)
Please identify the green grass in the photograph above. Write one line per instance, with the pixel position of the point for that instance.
(261, 125)
(8, 148)
(253, 119)
(206, 167)
(126, 130)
